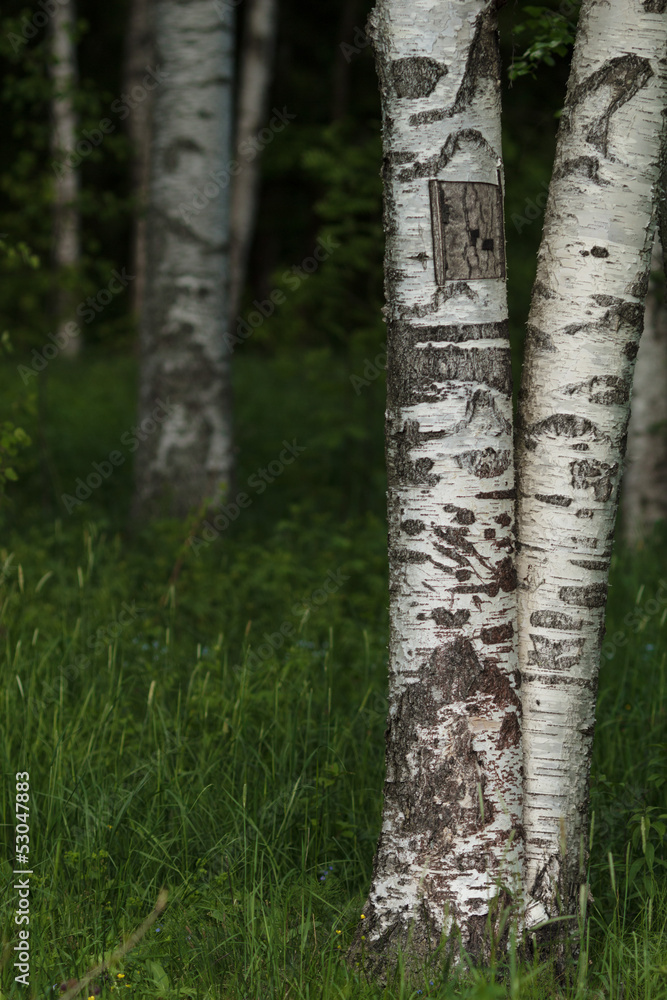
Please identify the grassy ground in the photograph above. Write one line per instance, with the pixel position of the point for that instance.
(214, 723)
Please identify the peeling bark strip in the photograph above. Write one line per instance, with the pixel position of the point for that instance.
(584, 326)
(188, 457)
(451, 833)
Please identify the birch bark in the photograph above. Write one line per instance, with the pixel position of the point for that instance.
(185, 456)
(644, 497)
(449, 854)
(66, 222)
(583, 331)
(257, 61)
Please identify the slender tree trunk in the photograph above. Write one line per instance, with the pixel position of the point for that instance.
(257, 60)
(583, 332)
(66, 223)
(139, 57)
(185, 456)
(644, 497)
(449, 855)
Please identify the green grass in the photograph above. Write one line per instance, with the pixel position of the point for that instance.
(185, 751)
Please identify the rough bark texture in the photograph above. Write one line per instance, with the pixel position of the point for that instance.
(583, 332)
(66, 222)
(139, 56)
(257, 59)
(644, 498)
(186, 456)
(449, 855)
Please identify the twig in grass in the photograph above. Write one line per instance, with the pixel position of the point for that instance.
(132, 941)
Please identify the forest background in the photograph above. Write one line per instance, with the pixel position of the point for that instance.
(210, 717)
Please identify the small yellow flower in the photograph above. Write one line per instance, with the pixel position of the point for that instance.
(120, 975)
(363, 917)
(363, 937)
(339, 932)
(91, 997)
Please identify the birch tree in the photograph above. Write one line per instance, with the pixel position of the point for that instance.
(583, 331)
(257, 53)
(64, 123)
(185, 457)
(644, 497)
(449, 854)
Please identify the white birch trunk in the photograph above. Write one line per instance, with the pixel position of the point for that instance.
(451, 845)
(644, 497)
(257, 61)
(186, 457)
(66, 222)
(583, 331)
(139, 57)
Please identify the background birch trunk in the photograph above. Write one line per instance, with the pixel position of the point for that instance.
(450, 850)
(583, 332)
(259, 41)
(644, 498)
(66, 221)
(184, 404)
(139, 56)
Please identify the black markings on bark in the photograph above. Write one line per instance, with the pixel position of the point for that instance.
(467, 226)
(586, 166)
(412, 527)
(462, 515)
(589, 473)
(496, 634)
(630, 350)
(510, 731)
(555, 654)
(655, 6)
(555, 500)
(589, 564)
(416, 77)
(429, 367)
(469, 138)
(410, 334)
(592, 596)
(554, 619)
(497, 495)
(599, 252)
(603, 389)
(401, 470)
(622, 77)
(567, 425)
(484, 464)
(450, 619)
(539, 338)
(483, 62)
